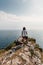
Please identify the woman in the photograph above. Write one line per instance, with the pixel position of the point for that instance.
(24, 33)
(24, 37)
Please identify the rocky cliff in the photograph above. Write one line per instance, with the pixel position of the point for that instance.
(28, 53)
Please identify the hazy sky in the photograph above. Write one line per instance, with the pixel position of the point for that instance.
(14, 14)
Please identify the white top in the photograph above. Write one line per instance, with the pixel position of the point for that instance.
(24, 33)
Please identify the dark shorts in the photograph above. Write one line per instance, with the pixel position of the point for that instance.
(25, 37)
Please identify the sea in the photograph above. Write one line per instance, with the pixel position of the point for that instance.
(9, 36)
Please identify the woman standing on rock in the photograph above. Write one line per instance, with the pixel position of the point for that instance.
(24, 36)
(24, 33)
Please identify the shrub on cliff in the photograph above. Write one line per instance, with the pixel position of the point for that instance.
(8, 47)
(37, 46)
(32, 39)
(41, 50)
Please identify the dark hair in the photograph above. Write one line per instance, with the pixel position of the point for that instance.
(24, 28)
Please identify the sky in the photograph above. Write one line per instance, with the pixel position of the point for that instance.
(15, 14)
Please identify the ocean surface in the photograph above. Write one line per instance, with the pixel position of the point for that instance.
(8, 36)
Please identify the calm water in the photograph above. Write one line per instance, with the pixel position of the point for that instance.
(8, 36)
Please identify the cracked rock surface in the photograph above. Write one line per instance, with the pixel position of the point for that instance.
(26, 55)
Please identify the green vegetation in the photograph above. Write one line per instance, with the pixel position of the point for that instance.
(41, 50)
(10, 46)
(37, 46)
(32, 39)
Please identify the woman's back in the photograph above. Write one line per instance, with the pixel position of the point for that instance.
(24, 33)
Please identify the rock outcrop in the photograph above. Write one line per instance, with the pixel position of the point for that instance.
(27, 54)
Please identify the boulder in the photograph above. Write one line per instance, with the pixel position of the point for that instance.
(37, 53)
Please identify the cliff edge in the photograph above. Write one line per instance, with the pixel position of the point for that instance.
(28, 53)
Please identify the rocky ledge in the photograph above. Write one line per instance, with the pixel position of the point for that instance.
(28, 53)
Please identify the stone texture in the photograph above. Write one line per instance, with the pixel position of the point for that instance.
(22, 56)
